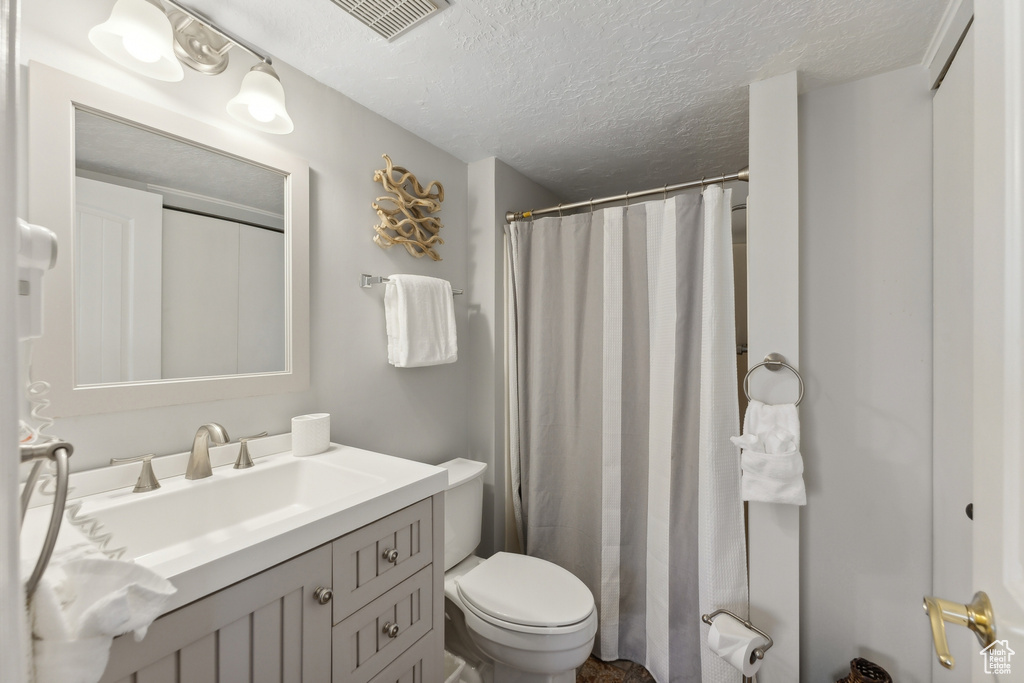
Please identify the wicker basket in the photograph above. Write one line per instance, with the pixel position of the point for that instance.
(863, 671)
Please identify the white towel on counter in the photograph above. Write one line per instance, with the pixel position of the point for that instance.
(81, 603)
(420, 318)
(771, 462)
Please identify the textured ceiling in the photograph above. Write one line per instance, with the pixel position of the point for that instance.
(587, 97)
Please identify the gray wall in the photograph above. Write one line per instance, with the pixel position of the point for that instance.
(866, 354)
(415, 413)
(494, 188)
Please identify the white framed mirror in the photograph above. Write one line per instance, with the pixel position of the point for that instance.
(182, 273)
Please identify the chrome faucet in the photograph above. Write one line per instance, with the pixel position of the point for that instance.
(199, 459)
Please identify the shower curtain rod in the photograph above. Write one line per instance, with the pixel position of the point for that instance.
(743, 174)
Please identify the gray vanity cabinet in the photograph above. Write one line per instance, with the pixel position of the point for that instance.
(384, 623)
(268, 627)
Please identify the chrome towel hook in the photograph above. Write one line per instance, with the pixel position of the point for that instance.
(773, 362)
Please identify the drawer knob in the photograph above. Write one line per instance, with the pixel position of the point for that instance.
(323, 595)
(390, 630)
(390, 554)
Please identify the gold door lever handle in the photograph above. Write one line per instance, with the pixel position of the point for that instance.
(976, 615)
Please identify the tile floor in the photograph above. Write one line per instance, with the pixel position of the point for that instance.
(621, 671)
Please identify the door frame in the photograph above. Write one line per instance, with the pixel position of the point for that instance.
(999, 318)
(11, 594)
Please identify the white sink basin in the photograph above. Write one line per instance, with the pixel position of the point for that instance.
(207, 534)
(185, 516)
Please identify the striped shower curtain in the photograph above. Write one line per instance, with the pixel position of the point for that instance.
(622, 398)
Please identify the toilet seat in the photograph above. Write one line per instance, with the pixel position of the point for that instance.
(526, 594)
(549, 632)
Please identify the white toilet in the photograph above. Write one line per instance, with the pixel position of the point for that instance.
(534, 621)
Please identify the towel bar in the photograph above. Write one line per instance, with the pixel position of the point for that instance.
(773, 362)
(366, 281)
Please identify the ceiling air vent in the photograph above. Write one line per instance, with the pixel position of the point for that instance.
(392, 18)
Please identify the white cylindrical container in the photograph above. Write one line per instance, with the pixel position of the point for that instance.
(311, 434)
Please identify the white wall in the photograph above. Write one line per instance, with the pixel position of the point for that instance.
(866, 352)
(494, 188)
(416, 413)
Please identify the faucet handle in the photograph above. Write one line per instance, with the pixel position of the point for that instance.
(147, 478)
(243, 461)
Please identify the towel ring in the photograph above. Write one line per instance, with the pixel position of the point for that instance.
(773, 361)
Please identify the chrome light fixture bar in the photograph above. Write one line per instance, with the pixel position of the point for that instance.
(155, 42)
(193, 40)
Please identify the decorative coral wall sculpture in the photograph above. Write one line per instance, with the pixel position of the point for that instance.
(404, 218)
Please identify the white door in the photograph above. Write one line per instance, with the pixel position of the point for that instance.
(117, 283)
(261, 310)
(978, 346)
(200, 304)
(998, 324)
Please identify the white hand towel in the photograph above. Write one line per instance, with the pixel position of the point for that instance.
(78, 608)
(771, 462)
(420, 318)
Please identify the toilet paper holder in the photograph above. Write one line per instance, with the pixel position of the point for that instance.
(758, 652)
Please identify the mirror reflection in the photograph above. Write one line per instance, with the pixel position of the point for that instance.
(179, 257)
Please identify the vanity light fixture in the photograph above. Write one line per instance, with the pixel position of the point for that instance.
(139, 36)
(260, 101)
(144, 37)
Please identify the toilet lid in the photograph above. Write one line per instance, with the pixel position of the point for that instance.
(526, 590)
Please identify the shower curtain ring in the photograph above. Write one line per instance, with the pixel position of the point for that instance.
(627, 200)
(702, 182)
(559, 210)
(664, 192)
(591, 205)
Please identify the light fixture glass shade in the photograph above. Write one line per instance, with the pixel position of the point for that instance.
(260, 102)
(138, 36)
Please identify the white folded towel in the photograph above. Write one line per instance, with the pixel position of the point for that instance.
(80, 605)
(420, 318)
(771, 462)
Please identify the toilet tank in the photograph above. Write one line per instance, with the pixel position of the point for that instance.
(463, 509)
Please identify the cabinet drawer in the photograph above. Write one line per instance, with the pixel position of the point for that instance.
(361, 571)
(418, 664)
(361, 645)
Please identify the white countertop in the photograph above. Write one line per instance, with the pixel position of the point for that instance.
(207, 558)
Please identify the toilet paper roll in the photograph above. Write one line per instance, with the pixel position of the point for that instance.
(311, 434)
(735, 643)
